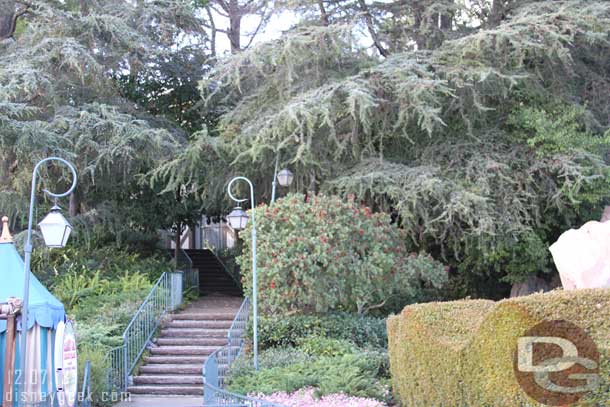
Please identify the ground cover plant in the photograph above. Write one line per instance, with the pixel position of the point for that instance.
(329, 366)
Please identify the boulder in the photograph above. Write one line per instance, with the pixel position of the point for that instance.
(582, 256)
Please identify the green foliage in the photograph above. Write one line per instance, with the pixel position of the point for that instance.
(99, 372)
(321, 346)
(461, 353)
(282, 331)
(512, 260)
(489, 136)
(59, 96)
(99, 263)
(560, 130)
(325, 254)
(356, 374)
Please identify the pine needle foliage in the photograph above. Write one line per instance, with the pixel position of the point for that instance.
(462, 141)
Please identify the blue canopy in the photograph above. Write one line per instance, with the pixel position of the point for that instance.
(44, 309)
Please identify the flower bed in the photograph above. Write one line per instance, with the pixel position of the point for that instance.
(307, 398)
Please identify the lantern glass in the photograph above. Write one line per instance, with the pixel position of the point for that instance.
(285, 177)
(238, 218)
(55, 229)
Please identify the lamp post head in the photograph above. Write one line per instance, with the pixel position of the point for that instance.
(285, 177)
(238, 218)
(55, 229)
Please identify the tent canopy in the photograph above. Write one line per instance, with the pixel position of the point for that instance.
(44, 309)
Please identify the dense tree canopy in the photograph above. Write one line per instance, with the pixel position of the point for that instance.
(484, 130)
(71, 84)
(480, 126)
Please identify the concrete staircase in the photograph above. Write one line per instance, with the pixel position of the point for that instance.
(175, 362)
(213, 278)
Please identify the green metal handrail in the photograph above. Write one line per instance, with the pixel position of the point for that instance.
(165, 296)
(217, 366)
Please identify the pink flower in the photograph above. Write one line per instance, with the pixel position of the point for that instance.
(305, 398)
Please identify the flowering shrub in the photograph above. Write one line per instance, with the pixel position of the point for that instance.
(329, 254)
(306, 398)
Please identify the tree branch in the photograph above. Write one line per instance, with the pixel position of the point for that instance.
(368, 18)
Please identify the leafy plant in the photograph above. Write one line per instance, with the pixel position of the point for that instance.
(282, 331)
(352, 374)
(320, 346)
(324, 253)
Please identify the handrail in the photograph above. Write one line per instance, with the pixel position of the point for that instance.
(140, 330)
(86, 390)
(184, 263)
(146, 320)
(236, 331)
(214, 395)
(219, 362)
(224, 267)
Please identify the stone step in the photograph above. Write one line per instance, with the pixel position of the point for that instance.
(204, 316)
(169, 380)
(190, 390)
(169, 369)
(175, 360)
(183, 350)
(199, 324)
(194, 333)
(191, 341)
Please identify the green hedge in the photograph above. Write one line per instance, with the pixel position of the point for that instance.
(461, 353)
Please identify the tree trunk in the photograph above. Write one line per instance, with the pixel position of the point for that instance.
(235, 15)
(370, 25)
(418, 22)
(74, 203)
(497, 13)
(178, 243)
(7, 19)
(323, 14)
(84, 7)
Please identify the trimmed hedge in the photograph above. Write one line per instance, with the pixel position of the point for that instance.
(461, 353)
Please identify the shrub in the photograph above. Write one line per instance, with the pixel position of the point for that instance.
(326, 254)
(282, 331)
(353, 374)
(320, 346)
(269, 359)
(461, 353)
(98, 378)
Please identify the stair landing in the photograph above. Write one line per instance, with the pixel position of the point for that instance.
(175, 362)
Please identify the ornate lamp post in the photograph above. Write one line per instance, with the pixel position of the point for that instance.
(284, 177)
(238, 220)
(55, 231)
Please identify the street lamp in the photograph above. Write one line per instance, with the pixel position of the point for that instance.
(55, 231)
(238, 220)
(284, 177)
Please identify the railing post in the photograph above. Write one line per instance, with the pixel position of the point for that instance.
(125, 372)
(230, 345)
(176, 290)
